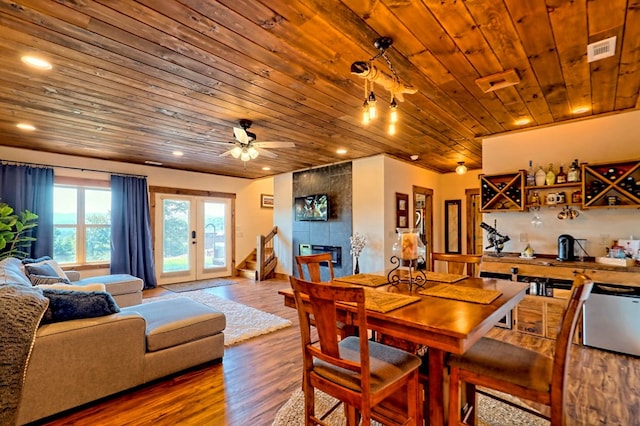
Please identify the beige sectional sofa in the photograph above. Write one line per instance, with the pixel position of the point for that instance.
(81, 360)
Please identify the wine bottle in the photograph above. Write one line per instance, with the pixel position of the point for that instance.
(531, 177)
(574, 172)
(551, 176)
(561, 177)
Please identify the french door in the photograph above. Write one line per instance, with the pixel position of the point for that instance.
(193, 238)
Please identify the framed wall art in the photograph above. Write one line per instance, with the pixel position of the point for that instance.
(402, 210)
(266, 201)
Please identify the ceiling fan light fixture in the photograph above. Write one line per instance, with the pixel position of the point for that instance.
(461, 169)
(253, 153)
(236, 152)
(245, 155)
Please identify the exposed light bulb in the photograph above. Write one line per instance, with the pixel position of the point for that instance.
(372, 106)
(365, 113)
(393, 114)
(253, 153)
(245, 155)
(392, 129)
(461, 169)
(236, 152)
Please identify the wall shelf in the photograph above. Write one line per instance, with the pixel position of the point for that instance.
(504, 192)
(611, 185)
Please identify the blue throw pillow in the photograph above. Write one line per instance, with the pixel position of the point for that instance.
(38, 260)
(67, 305)
(41, 269)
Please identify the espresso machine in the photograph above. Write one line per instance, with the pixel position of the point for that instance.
(565, 248)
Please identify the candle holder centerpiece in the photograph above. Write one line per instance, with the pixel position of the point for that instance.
(408, 251)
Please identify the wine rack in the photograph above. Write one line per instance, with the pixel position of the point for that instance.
(611, 185)
(504, 192)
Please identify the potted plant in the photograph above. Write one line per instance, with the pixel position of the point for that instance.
(14, 238)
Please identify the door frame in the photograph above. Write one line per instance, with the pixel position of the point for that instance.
(473, 220)
(154, 190)
(428, 193)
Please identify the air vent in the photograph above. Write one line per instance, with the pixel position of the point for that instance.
(498, 81)
(601, 49)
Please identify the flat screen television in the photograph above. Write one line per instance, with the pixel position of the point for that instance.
(312, 207)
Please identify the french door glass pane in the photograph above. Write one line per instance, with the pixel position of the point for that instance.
(176, 238)
(214, 235)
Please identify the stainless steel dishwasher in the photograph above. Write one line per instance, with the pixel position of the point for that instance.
(611, 319)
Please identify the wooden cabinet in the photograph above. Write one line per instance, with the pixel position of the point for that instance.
(529, 315)
(504, 192)
(611, 185)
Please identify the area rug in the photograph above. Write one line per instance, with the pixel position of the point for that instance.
(492, 412)
(243, 322)
(197, 285)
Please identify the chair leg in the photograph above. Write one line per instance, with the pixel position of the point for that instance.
(454, 397)
(351, 414)
(471, 403)
(309, 404)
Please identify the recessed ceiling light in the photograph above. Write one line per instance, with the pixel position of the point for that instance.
(522, 121)
(341, 151)
(25, 126)
(266, 168)
(153, 163)
(36, 62)
(178, 153)
(580, 110)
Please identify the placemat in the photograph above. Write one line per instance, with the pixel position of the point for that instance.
(466, 294)
(444, 277)
(368, 280)
(381, 301)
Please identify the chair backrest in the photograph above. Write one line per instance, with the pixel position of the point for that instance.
(319, 300)
(461, 264)
(313, 263)
(581, 289)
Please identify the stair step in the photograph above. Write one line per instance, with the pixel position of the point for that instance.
(247, 273)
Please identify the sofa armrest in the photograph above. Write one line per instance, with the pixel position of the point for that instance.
(78, 361)
(72, 275)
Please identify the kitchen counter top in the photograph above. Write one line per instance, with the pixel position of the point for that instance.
(549, 267)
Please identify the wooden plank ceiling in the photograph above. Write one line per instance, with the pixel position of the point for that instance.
(135, 81)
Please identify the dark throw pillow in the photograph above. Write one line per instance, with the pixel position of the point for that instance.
(38, 260)
(67, 305)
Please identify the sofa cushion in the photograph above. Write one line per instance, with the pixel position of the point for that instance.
(172, 322)
(116, 283)
(67, 305)
(11, 271)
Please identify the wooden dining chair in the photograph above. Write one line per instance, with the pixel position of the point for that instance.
(312, 264)
(359, 372)
(461, 264)
(518, 371)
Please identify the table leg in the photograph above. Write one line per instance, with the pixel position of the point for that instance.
(436, 387)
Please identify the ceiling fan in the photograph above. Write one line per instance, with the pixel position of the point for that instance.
(246, 148)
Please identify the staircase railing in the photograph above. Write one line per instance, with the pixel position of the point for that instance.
(265, 254)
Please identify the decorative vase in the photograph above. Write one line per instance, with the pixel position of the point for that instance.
(357, 268)
(408, 246)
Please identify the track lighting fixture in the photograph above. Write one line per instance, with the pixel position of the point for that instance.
(390, 82)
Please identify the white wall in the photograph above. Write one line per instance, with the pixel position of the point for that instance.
(283, 219)
(251, 220)
(600, 140)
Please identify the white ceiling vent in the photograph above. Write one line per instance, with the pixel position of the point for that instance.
(601, 49)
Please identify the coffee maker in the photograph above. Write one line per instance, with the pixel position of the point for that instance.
(565, 248)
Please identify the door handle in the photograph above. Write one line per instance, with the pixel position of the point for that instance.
(193, 234)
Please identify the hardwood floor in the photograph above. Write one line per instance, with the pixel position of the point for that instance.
(256, 377)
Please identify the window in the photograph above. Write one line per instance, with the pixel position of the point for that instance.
(81, 224)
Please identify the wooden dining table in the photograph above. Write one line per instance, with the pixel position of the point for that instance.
(442, 324)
